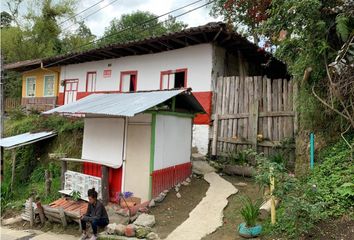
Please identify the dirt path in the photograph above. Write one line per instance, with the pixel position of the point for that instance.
(173, 211)
(232, 217)
(207, 216)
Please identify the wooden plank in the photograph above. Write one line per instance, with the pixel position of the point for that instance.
(290, 107)
(250, 108)
(64, 167)
(236, 107)
(227, 109)
(269, 107)
(240, 106)
(295, 95)
(215, 136)
(261, 115)
(280, 108)
(231, 108)
(13, 156)
(285, 104)
(31, 214)
(245, 108)
(274, 107)
(105, 185)
(265, 102)
(270, 144)
(62, 217)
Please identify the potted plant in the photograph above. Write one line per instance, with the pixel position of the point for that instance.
(250, 212)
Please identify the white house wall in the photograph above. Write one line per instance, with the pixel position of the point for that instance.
(103, 140)
(172, 141)
(197, 59)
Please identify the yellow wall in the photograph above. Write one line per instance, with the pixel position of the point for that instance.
(39, 75)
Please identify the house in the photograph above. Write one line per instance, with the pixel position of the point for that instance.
(192, 58)
(143, 140)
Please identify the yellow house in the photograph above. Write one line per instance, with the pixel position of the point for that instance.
(40, 88)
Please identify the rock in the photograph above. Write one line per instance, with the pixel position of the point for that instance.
(221, 174)
(152, 236)
(120, 229)
(201, 167)
(123, 212)
(177, 189)
(12, 220)
(188, 180)
(111, 228)
(130, 230)
(152, 203)
(145, 220)
(178, 195)
(133, 218)
(178, 185)
(240, 184)
(166, 191)
(198, 157)
(142, 232)
(143, 210)
(160, 197)
(185, 183)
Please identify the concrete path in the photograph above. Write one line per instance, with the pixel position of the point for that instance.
(207, 216)
(12, 234)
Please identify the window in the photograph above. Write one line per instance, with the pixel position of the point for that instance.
(91, 78)
(173, 79)
(128, 81)
(49, 85)
(30, 86)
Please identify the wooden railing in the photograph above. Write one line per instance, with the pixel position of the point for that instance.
(12, 103)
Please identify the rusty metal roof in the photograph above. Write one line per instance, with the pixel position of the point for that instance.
(215, 32)
(127, 104)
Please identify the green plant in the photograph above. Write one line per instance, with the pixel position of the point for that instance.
(240, 157)
(250, 210)
(75, 195)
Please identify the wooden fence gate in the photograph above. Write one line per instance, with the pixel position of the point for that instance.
(253, 112)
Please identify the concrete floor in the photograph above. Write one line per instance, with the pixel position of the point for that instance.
(12, 234)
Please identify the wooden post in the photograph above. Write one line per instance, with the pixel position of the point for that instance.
(48, 182)
(215, 136)
(64, 167)
(40, 211)
(272, 206)
(62, 217)
(105, 187)
(13, 155)
(31, 214)
(253, 120)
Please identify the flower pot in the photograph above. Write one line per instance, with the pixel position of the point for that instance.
(249, 232)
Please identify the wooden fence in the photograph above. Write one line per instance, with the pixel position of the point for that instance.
(253, 112)
(12, 103)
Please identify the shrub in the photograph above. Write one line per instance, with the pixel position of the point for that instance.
(250, 210)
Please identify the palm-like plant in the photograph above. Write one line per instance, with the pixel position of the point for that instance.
(250, 210)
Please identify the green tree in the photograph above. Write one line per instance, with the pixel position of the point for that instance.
(75, 40)
(151, 28)
(6, 19)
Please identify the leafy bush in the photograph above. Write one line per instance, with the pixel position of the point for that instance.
(240, 157)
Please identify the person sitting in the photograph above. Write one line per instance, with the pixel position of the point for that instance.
(96, 215)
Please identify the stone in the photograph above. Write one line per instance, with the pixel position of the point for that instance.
(201, 167)
(12, 220)
(152, 203)
(123, 212)
(111, 228)
(178, 195)
(240, 184)
(160, 197)
(188, 180)
(198, 157)
(145, 220)
(178, 185)
(130, 230)
(166, 191)
(152, 236)
(177, 189)
(120, 229)
(143, 210)
(185, 183)
(142, 232)
(133, 218)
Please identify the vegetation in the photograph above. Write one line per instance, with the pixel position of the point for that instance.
(325, 193)
(250, 210)
(32, 160)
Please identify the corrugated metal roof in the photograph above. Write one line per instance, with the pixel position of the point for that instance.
(118, 104)
(24, 139)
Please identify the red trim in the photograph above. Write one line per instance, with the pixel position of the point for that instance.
(87, 74)
(168, 177)
(204, 98)
(169, 72)
(60, 100)
(134, 73)
(114, 177)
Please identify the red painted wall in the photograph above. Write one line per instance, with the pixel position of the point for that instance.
(115, 177)
(204, 99)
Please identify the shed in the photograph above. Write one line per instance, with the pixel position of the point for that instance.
(136, 142)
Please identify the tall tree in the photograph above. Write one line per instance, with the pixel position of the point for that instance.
(6, 19)
(152, 27)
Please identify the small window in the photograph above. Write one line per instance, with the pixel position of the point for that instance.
(91, 78)
(128, 81)
(174, 79)
(30, 86)
(49, 85)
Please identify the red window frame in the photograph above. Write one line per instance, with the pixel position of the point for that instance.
(87, 74)
(169, 72)
(123, 73)
(73, 80)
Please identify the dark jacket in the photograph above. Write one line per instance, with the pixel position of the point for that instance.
(96, 211)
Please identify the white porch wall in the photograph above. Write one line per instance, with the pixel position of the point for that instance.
(197, 59)
(172, 141)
